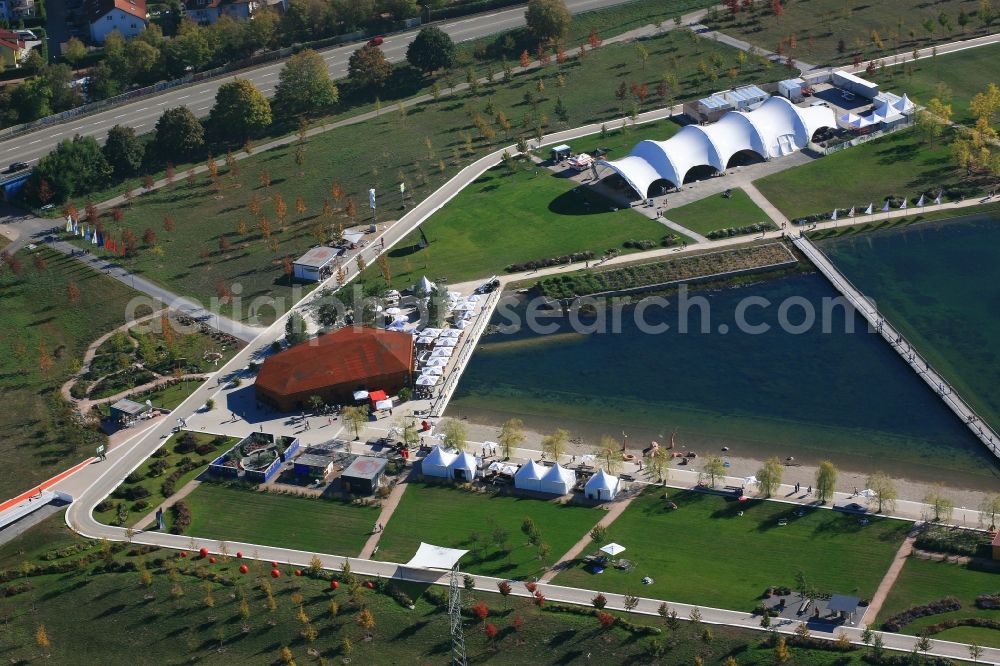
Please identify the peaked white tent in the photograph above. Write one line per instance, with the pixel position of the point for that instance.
(601, 486)
(529, 477)
(558, 480)
(424, 286)
(463, 467)
(437, 462)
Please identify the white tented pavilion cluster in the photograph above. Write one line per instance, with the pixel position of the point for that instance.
(775, 128)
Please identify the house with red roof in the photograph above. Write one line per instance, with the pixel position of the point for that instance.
(334, 366)
(126, 16)
(13, 50)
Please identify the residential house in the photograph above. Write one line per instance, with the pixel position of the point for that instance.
(126, 16)
(15, 10)
(12, 49)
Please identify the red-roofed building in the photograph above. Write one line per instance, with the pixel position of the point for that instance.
(12, 49)
(334, 366)
(105, 16)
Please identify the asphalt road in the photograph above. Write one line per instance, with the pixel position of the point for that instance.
(143, 114)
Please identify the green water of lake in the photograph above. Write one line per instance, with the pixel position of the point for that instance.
(843, 396)
(939, 283)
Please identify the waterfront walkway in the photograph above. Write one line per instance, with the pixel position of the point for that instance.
(896, 340)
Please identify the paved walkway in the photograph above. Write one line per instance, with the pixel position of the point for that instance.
(388, 508)
(889, 579)
(736, 43)
(765, 205)
(616, 509)
(165, 505)
(690, 233)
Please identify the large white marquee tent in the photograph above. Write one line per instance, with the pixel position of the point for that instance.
(775, 128)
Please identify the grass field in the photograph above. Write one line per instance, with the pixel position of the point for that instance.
(924, 581)
(899, 165)
(447, 517)
(504, 218)
(93, 617)
(820, 25)
(965, 73)
(704, 553)
(207, 252)
(220, 512)
(716, 212)
(152, 474)
(38, 437)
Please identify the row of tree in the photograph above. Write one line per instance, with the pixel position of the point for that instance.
(79, 165)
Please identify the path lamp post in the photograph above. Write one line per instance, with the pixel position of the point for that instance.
(402, 195)
(371, 203)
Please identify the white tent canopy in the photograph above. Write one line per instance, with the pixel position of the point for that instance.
(775, 128)
(503, 468)
(437, 462)
(601, 486)
(438, 362)
(360, 395)
(529, 477)
(613, 549)
(435, 371)
(443, 352)
(428, 380)
(429, 556)
(558, 480)
(463, 467)
(451, 333)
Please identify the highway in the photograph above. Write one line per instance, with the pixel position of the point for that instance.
(143, 113)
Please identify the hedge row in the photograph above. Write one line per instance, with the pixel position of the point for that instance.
(740, 231)
(900, 620)
(550, 261)
(953, 540)
(182, 517)
(988, 601)
(983, 622)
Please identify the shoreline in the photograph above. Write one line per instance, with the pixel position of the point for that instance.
(741, 466)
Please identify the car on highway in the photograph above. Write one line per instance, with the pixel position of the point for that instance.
(376, 41)
(16, 166)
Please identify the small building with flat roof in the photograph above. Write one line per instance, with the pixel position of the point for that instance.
(364, 476)
(126, 412)
(844, 605)
(315, 265)
(313, 466)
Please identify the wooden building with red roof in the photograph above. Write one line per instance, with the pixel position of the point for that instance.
(334, 366)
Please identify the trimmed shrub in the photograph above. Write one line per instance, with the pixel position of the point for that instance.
(204, 449)
(182, 517)
(900, 620)
(186, 443)
(988, 601)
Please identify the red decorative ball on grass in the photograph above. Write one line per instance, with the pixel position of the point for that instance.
(370, 585)
(203, 552)
(184, 553)
(334, 585)
(211, 560)
(274, 565)
(244, 568)
(298, 572)
(239, 554)
(275, 573)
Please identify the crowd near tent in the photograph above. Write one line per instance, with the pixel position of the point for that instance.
(463, 467)
(775, 128)
(437, 463)
(601, 486)
(558, 480)
(529, 477)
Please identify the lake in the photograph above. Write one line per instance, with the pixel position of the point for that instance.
(812, 395)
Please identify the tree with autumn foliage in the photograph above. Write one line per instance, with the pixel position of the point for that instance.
(481, 611)
(72, 292)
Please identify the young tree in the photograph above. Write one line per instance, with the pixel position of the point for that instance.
(941, 505)
(454, 435)
(554, 445)
(368, 67)
(355, 417)
(769, 476)
(431, 50)
(714, 469)
(885, 490)
(511, 436)
(599, 535)
(74, 51)
(989, 510)
(304, 86)
(72, 292)
(240, 110)
(826, 481)
(608, 452)
(548, 20)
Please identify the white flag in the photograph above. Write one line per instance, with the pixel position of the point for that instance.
(834, 216)
(93, 237)
(937, 199)
(371, 198)
(850, 213)
(69, 224)
(871, 207)
(920, 201)
(902, 206)
(402, 188)
(885, 208)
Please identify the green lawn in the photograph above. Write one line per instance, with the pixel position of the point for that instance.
(503, 218)
(820, 25)
(924, 581)
(167, 461)
(716, 212)
(704, 553)
(93, 617)
(170, 396)
(38, 436)
(322, 526)
(898, 165)
(447, 516)
(195, 261)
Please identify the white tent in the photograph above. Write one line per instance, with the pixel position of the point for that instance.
(424, 286)
(443, 352)
(464, 306)
(613, 549)
(503, 468)
(360, 395)
(436, 463)
(426, 340)
(601, 486)
(383, 404)
(435, 557)
(447, 342)
(463, 467)
(438, 362)
(451, 333)
(558, 480)
(427, 380)
(775, 128)
(529, 477)
(436, 371)
(431, 332)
